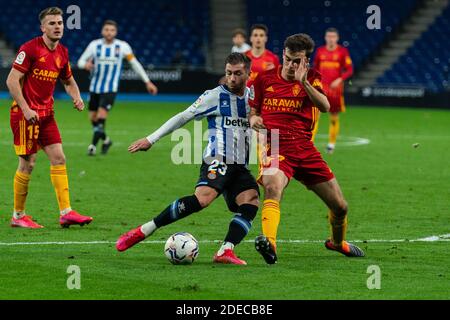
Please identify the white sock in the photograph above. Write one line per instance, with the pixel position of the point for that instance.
(148, 228)
(65, 211)
(225, 245)
(331, 145)
(18, 215)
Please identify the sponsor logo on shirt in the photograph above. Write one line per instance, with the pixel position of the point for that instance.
(233, 122)
(276, 104)
(46, 75)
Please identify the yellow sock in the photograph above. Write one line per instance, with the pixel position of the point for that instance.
(270, 220)
(334, 128)
(338, 228)
(60, 182)
(21, 181)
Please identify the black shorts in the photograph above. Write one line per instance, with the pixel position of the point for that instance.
(103, 100)
(228, 179)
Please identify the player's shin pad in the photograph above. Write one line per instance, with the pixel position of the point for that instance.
(177, 210)
(338, 228)
(21, 181)
(60, 181)
(241, 223)
(270, 220)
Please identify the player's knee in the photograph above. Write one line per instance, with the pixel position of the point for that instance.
(26, 165)
(273, 191)
(205, 198)
(249, 197)
(58, 160)
(93, 117)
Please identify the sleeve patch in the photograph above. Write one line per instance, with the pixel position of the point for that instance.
(20, 58)
(251, 94)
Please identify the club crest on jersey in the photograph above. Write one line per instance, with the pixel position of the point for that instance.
(212, 175)
(29, 144)
(296, 89)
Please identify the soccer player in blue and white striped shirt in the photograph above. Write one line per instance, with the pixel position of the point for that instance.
(225, 161)
(103, 58)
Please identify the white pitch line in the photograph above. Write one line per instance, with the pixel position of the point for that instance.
(439, 238)
(344, 141)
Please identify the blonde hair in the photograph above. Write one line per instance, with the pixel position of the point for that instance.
(52, 11)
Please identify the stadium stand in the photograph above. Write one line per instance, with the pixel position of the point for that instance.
(156, 29)
(427, 63)
(164, 33)
(349, 17)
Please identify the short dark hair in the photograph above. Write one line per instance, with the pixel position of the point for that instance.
(110, 23)
(331, 29)
(51, 11)
(259, 26)
(239, 31)
(238, 58)
(299, 42)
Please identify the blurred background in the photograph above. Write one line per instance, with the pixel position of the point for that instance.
(182, 43)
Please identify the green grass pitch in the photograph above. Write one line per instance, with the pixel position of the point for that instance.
(395, 191)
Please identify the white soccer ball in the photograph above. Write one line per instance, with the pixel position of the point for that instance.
(181, 248)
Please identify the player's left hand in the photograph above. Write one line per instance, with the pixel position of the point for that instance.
(151, 88)
(301, 70)
(140, 145)
(78, 104)
(336, 83)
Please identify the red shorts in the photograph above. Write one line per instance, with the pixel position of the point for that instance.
(336, 99)
(302, 162)
(29, 137)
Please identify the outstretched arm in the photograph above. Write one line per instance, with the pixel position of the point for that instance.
(139, 69)
(171, 125)
(71, 87)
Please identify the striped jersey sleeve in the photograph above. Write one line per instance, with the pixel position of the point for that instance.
(205, 105)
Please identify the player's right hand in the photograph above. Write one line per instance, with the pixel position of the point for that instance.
(140, 145)
(89, 65)
(256, 122)
(31, 115)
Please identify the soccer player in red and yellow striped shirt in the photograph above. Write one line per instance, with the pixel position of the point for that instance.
(285, 103)
(334, 63)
